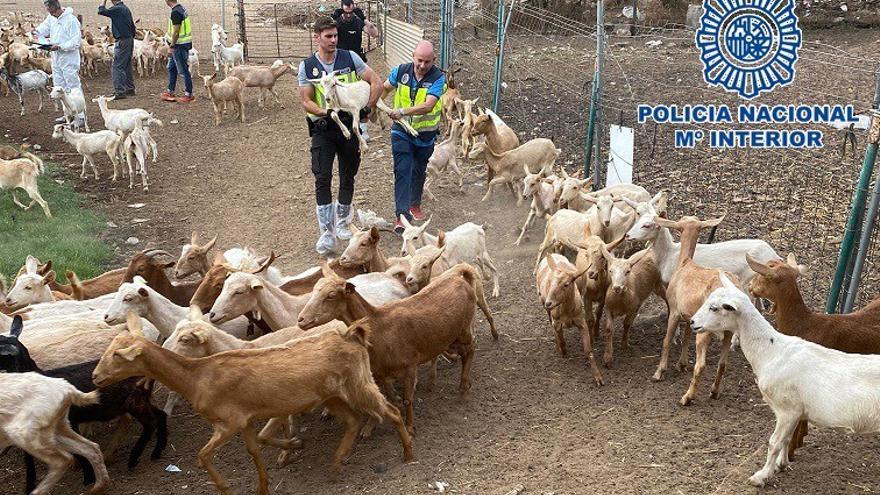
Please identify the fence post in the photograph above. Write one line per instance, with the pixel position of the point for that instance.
(633, 30)
(223, 14)
(596, 96)
(443, 4)
(277, 41)
(503, 25)
(855, 218)
(242, 34)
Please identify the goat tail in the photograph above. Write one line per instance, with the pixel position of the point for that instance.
(85, 399)
(76, 288)
(38, 163)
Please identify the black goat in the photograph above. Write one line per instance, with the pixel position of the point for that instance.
(125, 397)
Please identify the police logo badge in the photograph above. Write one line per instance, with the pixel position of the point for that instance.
(314, 72)
(405, 79)
(748, 46)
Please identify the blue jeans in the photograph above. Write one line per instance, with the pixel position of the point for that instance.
(178, 62)
(410, 164)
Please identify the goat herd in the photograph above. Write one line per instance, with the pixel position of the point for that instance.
(340, 335)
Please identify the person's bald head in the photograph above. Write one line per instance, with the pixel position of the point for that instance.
(423, 57)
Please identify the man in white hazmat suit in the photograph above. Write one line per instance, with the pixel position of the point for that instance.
(62, 32)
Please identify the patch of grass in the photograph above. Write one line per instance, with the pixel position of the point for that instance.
(70, 238)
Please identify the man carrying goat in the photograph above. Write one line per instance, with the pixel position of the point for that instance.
(417, 87)
(328, 139)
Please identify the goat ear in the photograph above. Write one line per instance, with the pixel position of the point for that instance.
(129, 353)
(195, 313)
(207, 247)
(613, 244)
(48, 278)
(45, 268)
(563, 173)
(219, 259)
(527, 171)
(758, 267)
(551, 262)
(143, 292)
(349, 288)
(664, 222)
(404, 221)
(374, 234)
(134, 324)
(17, 326)
(256, 284)
(792, 261)
(589, 198)
(632, 204)
(30, 265)
(441, 238)
(425, 225)
(353, 228)
(726, 282)
(440, 252)
(326, 270)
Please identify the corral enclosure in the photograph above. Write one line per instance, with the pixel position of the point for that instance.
(533, 418)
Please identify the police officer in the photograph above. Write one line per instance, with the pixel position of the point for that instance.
(352, 24)
(418, 88)
(180, 39)
(328, 142)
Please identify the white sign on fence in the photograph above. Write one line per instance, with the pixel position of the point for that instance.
(620, 156)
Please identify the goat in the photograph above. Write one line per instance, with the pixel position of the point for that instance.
(351, 98)
(558, 289)
(499, 136)
(443, 157)
(464, 244)
(138, 144)
(408, 332)
(688, 288)
(116, 400)
(152, 270)
(33, 417)
(799, 380)
(123, 121)
(507, 166)
(88, 145)
(30, 287)
(227, 56)
(74, 104)
(235, 388)
(856, 333)
(22, 173)
(261, 77)
(227, 90)
(32, 81)
(631, 281)
(542, 189)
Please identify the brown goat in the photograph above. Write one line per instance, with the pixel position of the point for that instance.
(857, 332)
(234, 389)
(411, 331)
(152, 270)
(688, 288)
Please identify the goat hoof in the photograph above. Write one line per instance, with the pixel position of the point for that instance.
(599, 381)
(685, 401)
(658, 376)
(681, 366)
(715, 394)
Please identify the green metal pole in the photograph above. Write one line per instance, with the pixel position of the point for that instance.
(857, 209)
(443, 34)
(594, 97)
(496, 94)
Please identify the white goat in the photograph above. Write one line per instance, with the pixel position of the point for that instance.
(464, 244)
(30, 287)
(444, 156)
(23, 172)
(507, 167)
(124, 121)
(221, 54)
(728, 255)
(799, 380)
(33, 417)
(193, 61)
(89, 145)
(542, 189)
(138, 143)
(351, 98)
(74, 104)
(35, 80)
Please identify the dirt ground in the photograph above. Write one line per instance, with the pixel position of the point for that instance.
(531, 418)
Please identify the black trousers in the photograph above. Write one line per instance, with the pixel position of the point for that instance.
(329, 144)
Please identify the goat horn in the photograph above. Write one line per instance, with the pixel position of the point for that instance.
(266, 263)
(157, 252)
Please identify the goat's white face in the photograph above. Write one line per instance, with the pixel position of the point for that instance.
(327, 302)
(645, 229)
(571, 187)
(29, 288)
(531, 185)
(605, 205)
(596, 257)
(421, 265)
(412, 235)
(360, 249)
(618, 272)
(721, 311)
(58, 131)
(561, 283)
(131, 296)
(57, 93)
(240, 291)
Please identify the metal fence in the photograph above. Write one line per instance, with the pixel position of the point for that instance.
(147, 14)
(798, 200)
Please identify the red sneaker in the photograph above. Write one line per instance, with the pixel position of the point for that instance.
(186, 98)
(168, 96)
(398, 227)
(416, 212)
